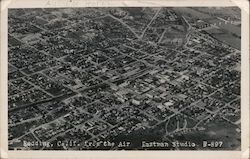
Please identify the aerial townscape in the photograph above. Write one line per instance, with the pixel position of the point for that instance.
(124, 78)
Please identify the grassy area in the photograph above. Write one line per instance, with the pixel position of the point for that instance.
(229, 39)
(191, 13)
(225, 37)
